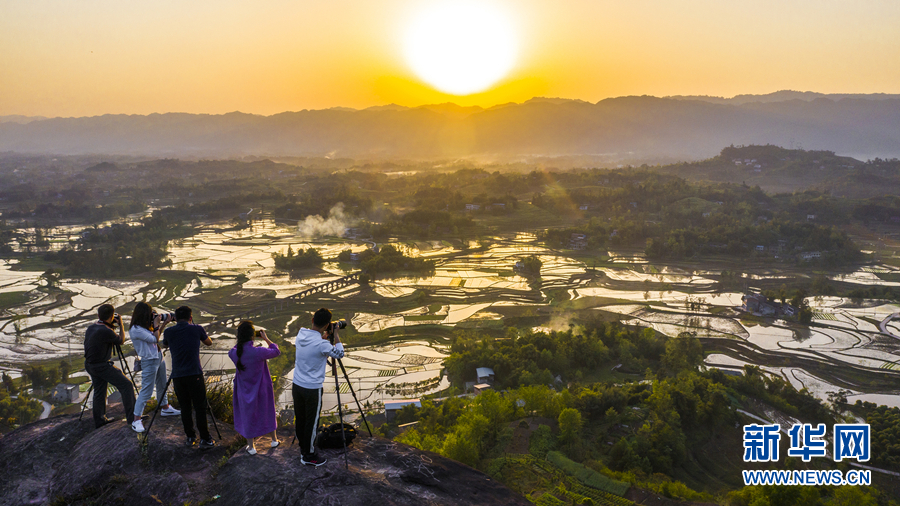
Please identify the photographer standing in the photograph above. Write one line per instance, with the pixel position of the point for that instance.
(313, 350)
(144, 332)
(99, 340)
(183, 341)
(254, 395)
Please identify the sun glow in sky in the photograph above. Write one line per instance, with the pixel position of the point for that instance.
(90, 57)
(461, 47)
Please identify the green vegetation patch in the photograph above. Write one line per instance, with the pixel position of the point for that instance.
(588, 476)
(12, 299)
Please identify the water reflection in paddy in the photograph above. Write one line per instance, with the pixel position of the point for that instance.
(225, 257)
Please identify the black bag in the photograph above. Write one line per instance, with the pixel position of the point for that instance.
(330, 436)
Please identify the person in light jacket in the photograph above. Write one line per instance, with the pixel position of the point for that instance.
(313, 350)
(254, 395)
(144, 332)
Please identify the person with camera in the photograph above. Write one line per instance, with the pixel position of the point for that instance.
(314, 346)
(183, 340)
(144, 331)
(99, 340)
(254, 396)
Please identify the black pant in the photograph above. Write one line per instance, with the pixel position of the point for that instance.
(307, 404)
(103, 374)
(191, 393)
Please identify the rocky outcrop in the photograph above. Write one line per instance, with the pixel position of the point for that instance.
(63, 460)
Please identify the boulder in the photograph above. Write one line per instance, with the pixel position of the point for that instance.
(62, 460)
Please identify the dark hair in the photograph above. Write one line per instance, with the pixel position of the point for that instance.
(322, 318)
(142, 316)
(245, 333)
(105, 311)
(183, 313)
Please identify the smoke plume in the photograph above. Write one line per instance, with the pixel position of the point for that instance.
(335, 224)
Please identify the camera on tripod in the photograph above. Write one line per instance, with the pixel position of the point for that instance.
(335, 325)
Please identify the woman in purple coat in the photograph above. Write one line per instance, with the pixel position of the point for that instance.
(254, 397)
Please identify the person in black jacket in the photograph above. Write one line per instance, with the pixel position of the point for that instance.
(99, 340)
(183, 341)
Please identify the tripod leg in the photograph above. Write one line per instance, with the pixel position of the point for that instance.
(127, 369)
(84, 402)
(337, 390)
(211, 415)
(158, 407)
(361, 412)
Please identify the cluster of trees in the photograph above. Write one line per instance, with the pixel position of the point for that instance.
(119, 250)
(673, 218)
(46, 378)
(424, 223)
(532, 265)
(18, 411)
(7, 234)
(796, 298)
(390, 260)
(529, 358)
(321, 199)
(303, 259)
(79, 209)
(885, 426)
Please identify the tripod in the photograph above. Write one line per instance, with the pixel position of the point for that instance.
(124, 364)
(146, 434)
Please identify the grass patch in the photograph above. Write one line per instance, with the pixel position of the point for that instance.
(13, 299)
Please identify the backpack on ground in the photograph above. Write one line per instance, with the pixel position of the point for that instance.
(330, 436)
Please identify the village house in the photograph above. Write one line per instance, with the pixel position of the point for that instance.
(758, 304)
(578, 241)
(65, 394)
(392, 407)
(484, 375)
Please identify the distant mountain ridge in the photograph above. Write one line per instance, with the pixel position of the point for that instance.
(683, 127)
(784, 95)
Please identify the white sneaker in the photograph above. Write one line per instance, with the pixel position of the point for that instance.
(137, 426)
(170, 411)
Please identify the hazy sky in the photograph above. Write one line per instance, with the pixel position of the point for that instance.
(90, 57)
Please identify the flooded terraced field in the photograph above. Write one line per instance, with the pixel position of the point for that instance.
(223, 272)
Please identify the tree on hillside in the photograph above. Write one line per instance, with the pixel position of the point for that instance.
(570, 424)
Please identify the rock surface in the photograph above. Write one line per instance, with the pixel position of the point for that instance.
(62, 460)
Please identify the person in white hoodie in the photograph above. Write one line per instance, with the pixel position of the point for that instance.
(313, 350)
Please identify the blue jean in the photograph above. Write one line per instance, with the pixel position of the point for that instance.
(153, 372)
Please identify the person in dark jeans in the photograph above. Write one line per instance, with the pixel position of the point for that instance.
(99, 340)
(313, 350)
(183, 341)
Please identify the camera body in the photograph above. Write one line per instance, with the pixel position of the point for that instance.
(335, 325)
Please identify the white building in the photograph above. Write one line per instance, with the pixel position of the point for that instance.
(484, 375)
(392, 407)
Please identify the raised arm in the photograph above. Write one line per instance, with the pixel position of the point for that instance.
(272, 351)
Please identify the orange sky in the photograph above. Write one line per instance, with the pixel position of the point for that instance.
(89, 57)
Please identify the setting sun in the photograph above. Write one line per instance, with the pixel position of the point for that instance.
(461, 48)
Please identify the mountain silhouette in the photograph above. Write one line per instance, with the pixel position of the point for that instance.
(862, 126)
